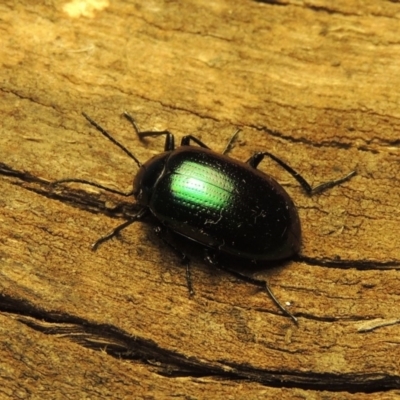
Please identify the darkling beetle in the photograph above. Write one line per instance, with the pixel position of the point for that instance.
(226, 206)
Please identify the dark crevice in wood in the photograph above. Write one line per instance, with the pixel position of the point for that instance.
(74, 197)
(347, 264)
(302, 140)
(122, 210)
(327, 10)
(273, 2)
(123, 346)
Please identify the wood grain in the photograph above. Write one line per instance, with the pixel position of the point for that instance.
(313, 82)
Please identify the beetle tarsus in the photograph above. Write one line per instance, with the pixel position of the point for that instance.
(189, 277)
(327, 185)
(229, 145)
(211, 259)
(112, 234)
(119, 228)
(277, 302)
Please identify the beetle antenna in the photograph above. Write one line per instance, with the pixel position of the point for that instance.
(111, 139)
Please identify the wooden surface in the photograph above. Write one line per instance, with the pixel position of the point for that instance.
(316, 83)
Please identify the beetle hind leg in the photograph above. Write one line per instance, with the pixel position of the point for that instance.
(255, 160)
(190, 138)
(211, 259)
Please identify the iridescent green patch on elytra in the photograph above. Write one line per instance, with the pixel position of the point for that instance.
(201, 185)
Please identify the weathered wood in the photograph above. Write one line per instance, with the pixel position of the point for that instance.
(313, 82)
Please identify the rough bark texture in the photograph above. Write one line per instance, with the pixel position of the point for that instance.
(315, 82)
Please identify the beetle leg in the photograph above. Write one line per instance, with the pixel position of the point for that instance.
(119, 228)
(186, 141)
(229, 145)
(169, 137)
(258, 157)
(211, 259)
(186, 261)
(162, 233)
(188, 138)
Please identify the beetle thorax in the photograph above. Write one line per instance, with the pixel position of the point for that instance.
(147, 177)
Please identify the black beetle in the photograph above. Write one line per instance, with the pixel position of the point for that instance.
(226, 206)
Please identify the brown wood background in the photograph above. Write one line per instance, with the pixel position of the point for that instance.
(316, 82)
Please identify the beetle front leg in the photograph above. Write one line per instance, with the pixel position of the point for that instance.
(169, 144)
(255, 160)
(188, 138)
(142, 213)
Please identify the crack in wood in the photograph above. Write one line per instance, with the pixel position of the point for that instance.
(122, 345)
(81, 199)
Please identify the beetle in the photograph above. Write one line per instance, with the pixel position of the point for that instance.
(227, 207)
